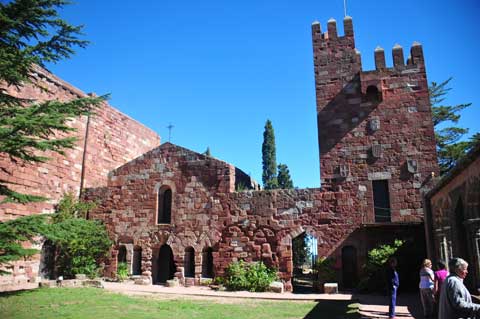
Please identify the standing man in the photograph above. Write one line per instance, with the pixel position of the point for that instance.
(392, 285)
(455, 300)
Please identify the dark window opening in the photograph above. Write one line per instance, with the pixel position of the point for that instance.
(164, 206)
(207, 262)
(373, 94)
(189, 262)
(381, 201)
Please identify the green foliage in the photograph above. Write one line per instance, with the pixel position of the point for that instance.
(269, 158)
(284, 179)
(324, 268)
(240, 187)
(449, 147)
(122, 271)
(249, 276)
(31, 34)
(69, 207)
(375, 266)
(14, 233)
(79, 244)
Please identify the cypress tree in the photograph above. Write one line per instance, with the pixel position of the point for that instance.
(284, 179)
(269, 158)
(207, 152)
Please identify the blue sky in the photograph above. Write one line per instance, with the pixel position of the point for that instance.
(217, 70)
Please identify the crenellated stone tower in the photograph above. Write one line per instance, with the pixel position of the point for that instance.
(375, 128)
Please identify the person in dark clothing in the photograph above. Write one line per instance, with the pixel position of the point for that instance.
(392, 285)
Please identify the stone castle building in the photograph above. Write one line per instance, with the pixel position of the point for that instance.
(173, 212)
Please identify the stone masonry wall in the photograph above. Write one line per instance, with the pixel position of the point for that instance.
(455, 212)
(207, 212)
(113, 139)
(371, 123)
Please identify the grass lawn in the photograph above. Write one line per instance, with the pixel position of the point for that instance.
(97, 303)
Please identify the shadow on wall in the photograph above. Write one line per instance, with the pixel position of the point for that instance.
(353, 254)
(346, 111)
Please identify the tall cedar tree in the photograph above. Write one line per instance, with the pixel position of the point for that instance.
(32, 34)
(284, 179)
(449, 147)
(269, 158)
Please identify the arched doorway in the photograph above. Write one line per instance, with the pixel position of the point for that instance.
(303, 263)
(47, 260)
(349, 267)
(207, 262)
(165, 265)
(137, 261)
(189, 262)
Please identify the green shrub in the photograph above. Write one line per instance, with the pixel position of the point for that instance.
(259, 277)
(324, 268)
(374, 279)
(122, 271)
(85, 265)
(249, 276)
(79, 243)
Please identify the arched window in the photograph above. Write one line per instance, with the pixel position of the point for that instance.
(164, 205)
(207, 262)
(189, 262)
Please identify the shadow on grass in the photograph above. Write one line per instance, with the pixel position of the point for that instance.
(15, 292)
(334, 309)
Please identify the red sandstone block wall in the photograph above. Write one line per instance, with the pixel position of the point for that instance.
(113, 139)
(207, 212)
(346, 110)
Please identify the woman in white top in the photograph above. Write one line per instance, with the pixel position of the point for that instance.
(426, 288)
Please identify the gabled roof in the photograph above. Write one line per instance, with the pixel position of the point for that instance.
(165, 148)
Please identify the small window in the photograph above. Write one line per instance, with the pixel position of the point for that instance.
(164, 205)
(373, 95)
(381, 201)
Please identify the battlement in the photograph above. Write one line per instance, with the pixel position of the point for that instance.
(332, 33)
(414, 59)
(330, 43)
